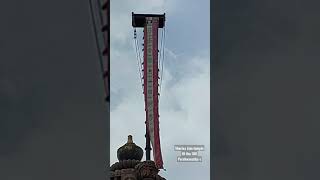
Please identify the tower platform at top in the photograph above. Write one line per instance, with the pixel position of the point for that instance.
(139, 20)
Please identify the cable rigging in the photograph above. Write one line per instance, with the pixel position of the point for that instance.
(162, 57)
(160, 62)
(139, 61)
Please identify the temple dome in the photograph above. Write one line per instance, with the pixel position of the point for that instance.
(130, 151)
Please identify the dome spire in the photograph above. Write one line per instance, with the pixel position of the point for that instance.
(130, 139)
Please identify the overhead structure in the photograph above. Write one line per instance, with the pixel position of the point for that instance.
(106, 52)
(150, 24)
(100, 13)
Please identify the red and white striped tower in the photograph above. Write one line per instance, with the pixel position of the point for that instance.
(151, 23)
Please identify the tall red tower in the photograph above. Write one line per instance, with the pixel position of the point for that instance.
(151, 23)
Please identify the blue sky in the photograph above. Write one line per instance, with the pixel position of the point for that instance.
(184, 100)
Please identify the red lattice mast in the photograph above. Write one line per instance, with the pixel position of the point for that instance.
(151, 23)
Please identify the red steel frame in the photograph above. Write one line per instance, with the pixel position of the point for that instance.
(155, 137)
